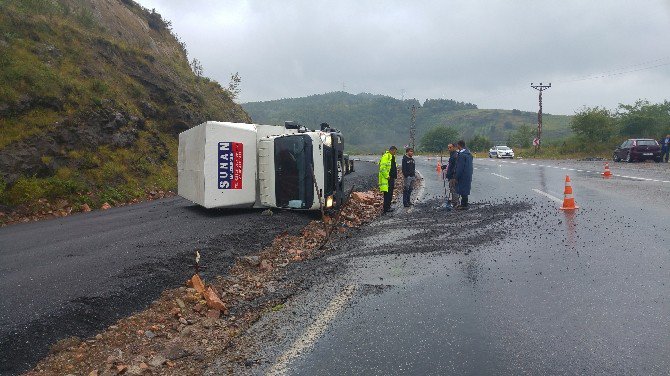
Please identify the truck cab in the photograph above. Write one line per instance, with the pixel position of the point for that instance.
(226, 165)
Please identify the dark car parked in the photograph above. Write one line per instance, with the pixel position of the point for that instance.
(638, 149)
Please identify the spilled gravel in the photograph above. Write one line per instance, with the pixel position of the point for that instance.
(77, 275)
(427, 229)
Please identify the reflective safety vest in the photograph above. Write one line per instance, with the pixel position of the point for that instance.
(384, 171)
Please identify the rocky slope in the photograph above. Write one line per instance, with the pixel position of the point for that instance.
(92, 96)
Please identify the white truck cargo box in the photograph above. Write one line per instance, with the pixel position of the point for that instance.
(217, 164)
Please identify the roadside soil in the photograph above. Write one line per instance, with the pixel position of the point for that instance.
(50, 209)
(182, 332)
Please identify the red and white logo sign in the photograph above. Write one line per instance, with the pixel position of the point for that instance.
(230, 165)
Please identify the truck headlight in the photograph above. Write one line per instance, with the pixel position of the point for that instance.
(329, 202)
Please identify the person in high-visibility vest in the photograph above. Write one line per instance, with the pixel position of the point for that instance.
(388, 172)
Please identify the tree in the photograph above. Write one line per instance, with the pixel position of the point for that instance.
(594, 124)
(234, 85)
(196, 66)
(522, 137)
(643, 119)
(479, 143)
(437, 139)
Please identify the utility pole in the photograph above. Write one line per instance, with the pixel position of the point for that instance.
(540, 88)
(412, 127)
(402, 94)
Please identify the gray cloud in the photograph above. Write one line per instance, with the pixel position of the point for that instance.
(485, 52)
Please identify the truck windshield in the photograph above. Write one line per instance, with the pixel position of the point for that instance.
(294, 186)
(329, 166)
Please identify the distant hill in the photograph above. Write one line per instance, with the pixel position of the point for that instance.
(372, 122)
(92, 96)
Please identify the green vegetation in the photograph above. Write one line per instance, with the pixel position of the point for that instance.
(597, 131)
(479, 144)
(438, 138)
(68, 73)
(372, 122)
(522, 137)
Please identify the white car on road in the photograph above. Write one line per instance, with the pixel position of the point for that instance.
(501, 152)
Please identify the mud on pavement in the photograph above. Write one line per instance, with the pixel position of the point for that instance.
(268, 346)
(179, 332)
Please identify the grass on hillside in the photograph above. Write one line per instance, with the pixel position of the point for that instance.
(57, 62)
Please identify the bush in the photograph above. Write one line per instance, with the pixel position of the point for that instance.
(479, 143)
(437, 139)
(25, 190)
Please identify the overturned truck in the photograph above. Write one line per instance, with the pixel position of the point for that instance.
(238, 165)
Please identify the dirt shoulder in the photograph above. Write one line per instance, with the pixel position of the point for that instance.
(179, 333)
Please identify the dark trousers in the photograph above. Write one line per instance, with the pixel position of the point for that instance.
(464, 201)
(454, 196)
(664, 154)
(388, 196)
(407, 190)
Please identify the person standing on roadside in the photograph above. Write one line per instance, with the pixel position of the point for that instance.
(408, 172)
(463, 174)
(388, 172)
(451, 176)
(665, 148)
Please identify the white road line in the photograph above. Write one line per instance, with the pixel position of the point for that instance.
(545, 194)
(498, 175)
(313, 332)
(580, 170)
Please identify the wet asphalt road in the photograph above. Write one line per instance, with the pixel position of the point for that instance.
(512, 286)
(76, 275)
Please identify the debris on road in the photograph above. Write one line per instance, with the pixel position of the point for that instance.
(56, 208)
(189, 327)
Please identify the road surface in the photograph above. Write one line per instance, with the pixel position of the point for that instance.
(511, 286)
(76, 275)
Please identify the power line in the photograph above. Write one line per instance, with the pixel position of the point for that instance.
(610, 73)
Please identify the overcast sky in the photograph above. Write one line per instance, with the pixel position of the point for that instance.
(595, 52)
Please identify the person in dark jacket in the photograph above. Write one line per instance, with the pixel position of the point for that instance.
(463, 174)
(408, 172)
(451, 176)
(665, 148)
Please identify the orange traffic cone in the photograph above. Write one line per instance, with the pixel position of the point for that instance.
(568, 199)
(439, 168)
(607, 172)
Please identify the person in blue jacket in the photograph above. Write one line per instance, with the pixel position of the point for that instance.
(463, 174)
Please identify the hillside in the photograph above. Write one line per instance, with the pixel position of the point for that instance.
(371, 122)
(92, 96)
